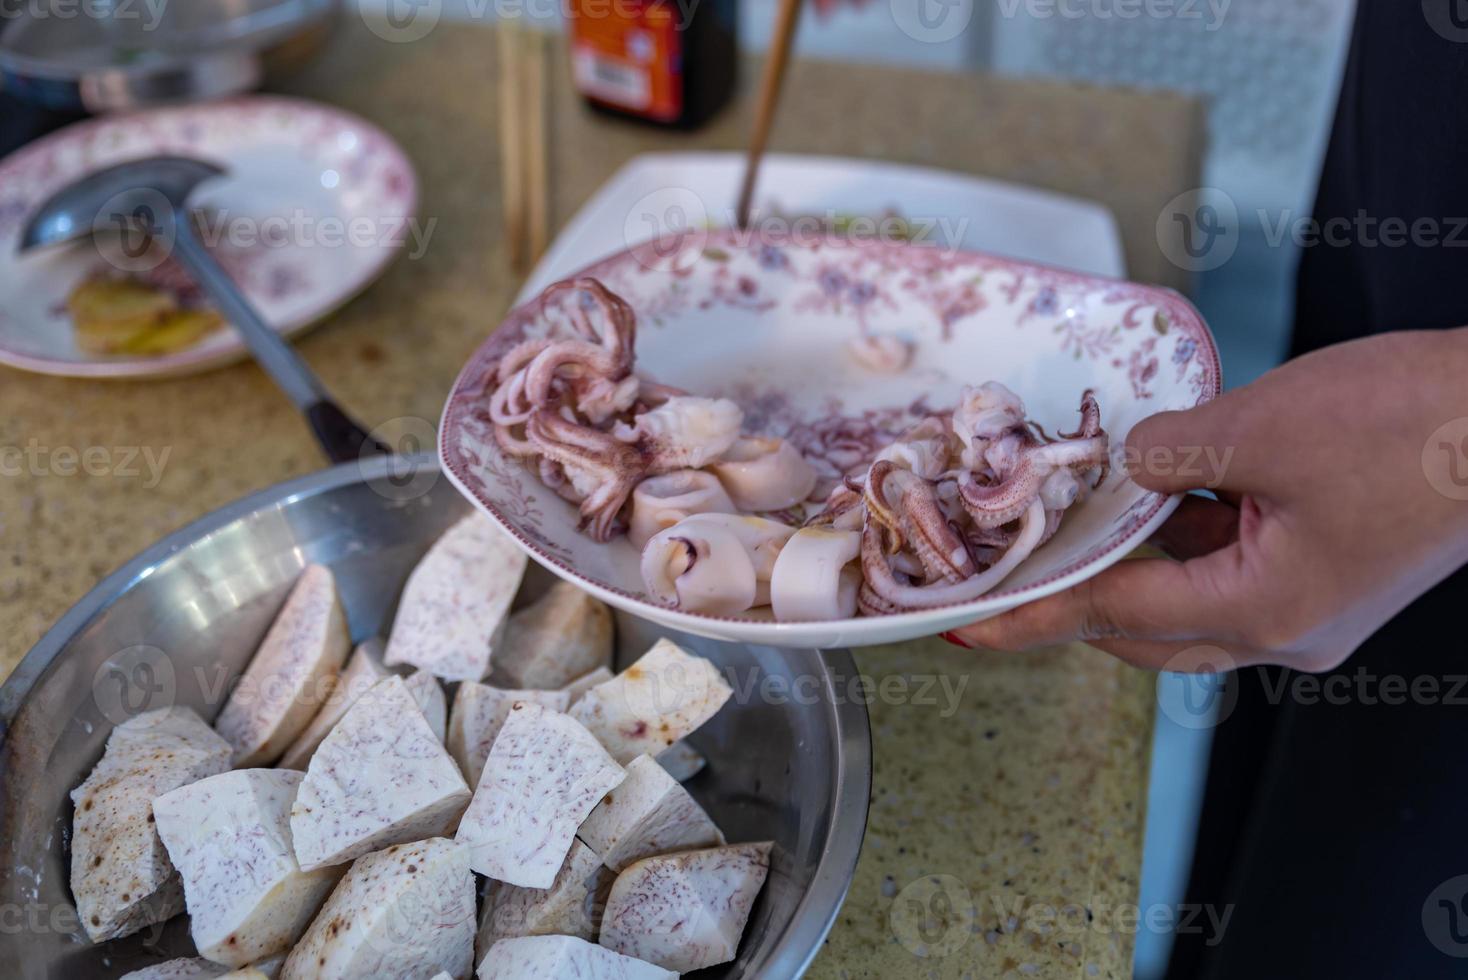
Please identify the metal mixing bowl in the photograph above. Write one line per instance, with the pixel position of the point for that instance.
(789, 757)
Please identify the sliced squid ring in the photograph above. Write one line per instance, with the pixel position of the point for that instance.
(816, 576)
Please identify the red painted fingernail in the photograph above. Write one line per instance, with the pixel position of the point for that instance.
(957, 640)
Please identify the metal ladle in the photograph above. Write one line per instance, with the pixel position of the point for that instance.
(150, 196)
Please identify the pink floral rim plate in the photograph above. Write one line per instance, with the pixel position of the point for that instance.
(316, 203)
(766, 324)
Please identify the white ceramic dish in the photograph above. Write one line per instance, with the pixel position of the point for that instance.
(983, 215)
(765, 324)
(315, 205)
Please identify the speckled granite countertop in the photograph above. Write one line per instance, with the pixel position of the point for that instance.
(1006, 820)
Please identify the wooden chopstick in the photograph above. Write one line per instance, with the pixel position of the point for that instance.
(773, 77)
(537, 184)
(512, 162)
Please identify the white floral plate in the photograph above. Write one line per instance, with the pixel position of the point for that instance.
(765, 323)
(315, 205)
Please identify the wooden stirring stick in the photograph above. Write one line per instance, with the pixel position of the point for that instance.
(769, 93)
(512, 161)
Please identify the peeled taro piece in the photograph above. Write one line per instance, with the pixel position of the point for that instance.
(554, 640)
(650, 813)
(453, 609)
(544, 774)
(180, 968)
(685, 911)
(571, 906)
(559, 957)
(121, 876)
(405, 911)
(479, 714)
(660, 699)
(361, 674)
(380, 778)
(230, 837)
(291, 675)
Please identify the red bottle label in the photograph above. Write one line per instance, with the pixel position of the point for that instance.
(628, 54)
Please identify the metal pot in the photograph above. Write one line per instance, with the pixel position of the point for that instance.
(110, 55)
(789, 759)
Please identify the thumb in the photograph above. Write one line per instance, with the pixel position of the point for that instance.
(1196, 449)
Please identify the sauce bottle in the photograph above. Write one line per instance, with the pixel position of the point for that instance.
(667, 62)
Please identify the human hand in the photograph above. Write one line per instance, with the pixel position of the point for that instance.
(1329, 519)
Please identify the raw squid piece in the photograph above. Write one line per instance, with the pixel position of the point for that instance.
(456, 601)
(684, 432)
(406, 911)
(659, 502)
(650, 813)
(554, 640)
(661, 698)
(544, 775)
(714, 563)
(571, 906)
(815, 577)
(763, 474)
(380, 778)
(881, 354)
(558, 957)
(479, 714)
(230, 837)
(362, 672)
(685, 911)
(121, 875)
(291, 675)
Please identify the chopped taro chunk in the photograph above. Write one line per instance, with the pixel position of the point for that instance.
(685, 911)
(682, 761)
(479, 712)
(183, 968)
(121, 876)
(569, 907)
(362, 672)
(544, 775)
(648, 814)
(428, 694)
(407, 911)
(291, 675)
(266, 969)
(661, 698)
(586, 682)
(559, 957)
(381, 777)
(455, 603)
(230, 837)
(554, 640)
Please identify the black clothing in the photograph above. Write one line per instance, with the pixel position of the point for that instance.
(1328, 825)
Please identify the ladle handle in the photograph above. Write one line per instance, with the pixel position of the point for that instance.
(340, 438)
